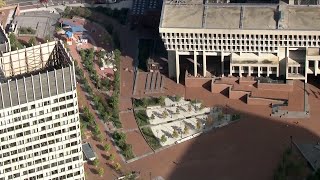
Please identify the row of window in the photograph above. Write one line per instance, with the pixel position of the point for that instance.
(39, 153)
(42, 120)
(33, 106)
(40, 176)
(239, 36)
(221, 48)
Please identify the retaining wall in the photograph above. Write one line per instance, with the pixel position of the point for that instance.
(262, 101)
(275, 87)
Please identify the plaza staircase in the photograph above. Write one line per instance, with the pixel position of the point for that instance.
(154, 83)
(246, 90)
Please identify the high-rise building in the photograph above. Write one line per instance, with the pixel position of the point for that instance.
(39, 119)
(222, 39)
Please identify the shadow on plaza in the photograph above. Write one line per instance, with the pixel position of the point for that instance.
(250, 148)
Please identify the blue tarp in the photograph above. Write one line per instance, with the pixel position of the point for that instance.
(74, 27)
(69, 34)
(77, 29)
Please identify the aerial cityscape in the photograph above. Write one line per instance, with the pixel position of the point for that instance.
(160, 89)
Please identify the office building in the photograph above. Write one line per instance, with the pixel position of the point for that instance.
(224, 39)
(39, 119)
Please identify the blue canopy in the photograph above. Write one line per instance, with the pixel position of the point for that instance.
(69, 34)
(78, 29)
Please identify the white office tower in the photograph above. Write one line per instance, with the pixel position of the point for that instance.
(39, 120)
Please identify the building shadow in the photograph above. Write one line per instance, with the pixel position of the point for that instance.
(249, 149)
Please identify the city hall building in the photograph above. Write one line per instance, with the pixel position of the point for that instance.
(39, 119)
(221, 39)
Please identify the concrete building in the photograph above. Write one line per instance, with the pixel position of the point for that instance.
(39, 118)
(222, 39)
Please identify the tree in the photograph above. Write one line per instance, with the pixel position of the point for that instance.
(45, 2)
(32, 41)
(162, 100)
(152, 116)
(106, 147)
(165, 113)
(163, 138)
(95, 162)
(175, 134)
(99, 137)
(2, 3)
(111, 158)
(198, 125)
(100, 172)
(186, 129)
(117, 166)
(177, 110)
(15, 44)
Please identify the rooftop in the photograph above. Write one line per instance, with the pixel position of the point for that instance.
(47, 71)
(193, 14)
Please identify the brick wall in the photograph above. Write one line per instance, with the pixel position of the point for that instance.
(275, 87)
(262, 101)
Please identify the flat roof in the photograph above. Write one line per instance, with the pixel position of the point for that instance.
(239, 16)
(87, 151)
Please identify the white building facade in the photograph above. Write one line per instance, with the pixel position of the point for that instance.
(39, 119)
(278, 39)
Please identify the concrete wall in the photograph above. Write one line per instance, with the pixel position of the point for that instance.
(275, 87)
(262, 101)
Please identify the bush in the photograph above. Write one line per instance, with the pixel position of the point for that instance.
(28, 30)
(151, 138)
(142, 118)
(145, 102)
(235, 117)
(15, 44)
(120, 140)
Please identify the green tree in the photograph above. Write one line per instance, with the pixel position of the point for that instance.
(186, 129)
(117, 166)
(198, 125)
(165, 113)
(175, 134)
(32, 42)
(15, 44)
(111, 158)
(2, 3)
(95, 162)
(163, 138)
(106, 147)
(99, 137)
(100, 172)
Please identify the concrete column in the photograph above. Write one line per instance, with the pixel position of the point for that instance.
(204, 63)
(259, 71)
(297, 70)
(278, 71)
(172, 63)
(249, 70)
(268, 71)
(316, 64)
(195, 63)
(177, 67)
(222, 64)
(240, 71)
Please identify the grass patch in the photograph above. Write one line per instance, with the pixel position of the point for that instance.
(142, 118)
(151, 139)
(145, 102)
(145, 50)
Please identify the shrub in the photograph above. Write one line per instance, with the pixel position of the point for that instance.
(152, 140)
(163, 138)
(175, 134)
(106, 147)
(142, 118)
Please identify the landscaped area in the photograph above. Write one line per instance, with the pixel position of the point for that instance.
(165, 121)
